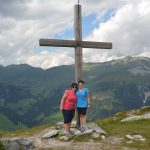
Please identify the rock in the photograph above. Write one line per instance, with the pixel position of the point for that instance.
(25, 142)
(136, 117)
(50, 134)
(96, 128)
(60, 124)
(17, 143)
(138, 138)
(74, 129)
(11, 145)
(95, 135)
(129, 137)
(62, 132)
(73, 124)
(64, 138)
(87, 131)
(77, 133)
(115, 118)
(103, 137)
(135, 138)
(129, 142)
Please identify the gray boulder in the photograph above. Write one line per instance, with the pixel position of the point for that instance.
(96, 128)
(136, 117)
(50, 134)
(17, 143)
(135, 137)
(95, 135)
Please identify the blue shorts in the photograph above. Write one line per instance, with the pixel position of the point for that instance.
(68, 115)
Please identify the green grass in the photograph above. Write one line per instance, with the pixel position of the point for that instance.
(52, 149)
(1, 147)
(85, 138)
(81, 138)
(117, 128)
(6, 123)
(55, 117)
(121, 115)
(143, 110)
(26, 132)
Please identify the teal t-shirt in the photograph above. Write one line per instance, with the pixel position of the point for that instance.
(82, 98)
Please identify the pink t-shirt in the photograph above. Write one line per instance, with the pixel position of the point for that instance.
(70, 101)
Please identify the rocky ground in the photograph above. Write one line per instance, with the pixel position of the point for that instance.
(93, 138)
(52, 138)
(70, 144)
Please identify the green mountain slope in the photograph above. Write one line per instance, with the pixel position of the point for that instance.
(30, 96)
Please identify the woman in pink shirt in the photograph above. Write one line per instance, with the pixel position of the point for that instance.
(68, 105)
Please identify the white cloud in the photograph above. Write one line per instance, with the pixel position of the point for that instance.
(31, 20)
(19, 36)
(49, 59)
(128, 30)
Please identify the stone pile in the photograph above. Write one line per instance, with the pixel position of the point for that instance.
(91, 129)
(17, 143)
(133, 138)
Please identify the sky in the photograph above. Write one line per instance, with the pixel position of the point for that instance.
(125, 23)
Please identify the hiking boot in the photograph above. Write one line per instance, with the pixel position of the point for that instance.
(82, 129)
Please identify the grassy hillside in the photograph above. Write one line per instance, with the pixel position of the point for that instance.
(140, 127)
(31, 96)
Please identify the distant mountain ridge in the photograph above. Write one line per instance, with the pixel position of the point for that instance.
(30, 96)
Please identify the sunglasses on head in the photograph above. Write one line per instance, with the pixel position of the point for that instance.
(80, 84)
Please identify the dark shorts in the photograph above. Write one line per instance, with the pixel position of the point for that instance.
(82, 111)
(68, 115)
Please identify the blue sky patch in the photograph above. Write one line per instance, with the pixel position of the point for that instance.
(89, 23)
(110, 13)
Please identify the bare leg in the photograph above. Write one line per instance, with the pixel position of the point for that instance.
(82, 120)
(69, 126)
(66, 127)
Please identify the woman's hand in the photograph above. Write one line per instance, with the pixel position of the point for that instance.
(88, 98)
(61, 107)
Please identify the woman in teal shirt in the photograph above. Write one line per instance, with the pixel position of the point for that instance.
(83, 102)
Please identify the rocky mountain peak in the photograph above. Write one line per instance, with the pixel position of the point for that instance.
(128, 59)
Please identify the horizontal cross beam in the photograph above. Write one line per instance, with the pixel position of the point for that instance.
(72, 43)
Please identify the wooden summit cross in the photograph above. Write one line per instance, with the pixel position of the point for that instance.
(78, 44)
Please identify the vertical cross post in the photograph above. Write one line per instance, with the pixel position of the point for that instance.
(78, 39)
(78, 49)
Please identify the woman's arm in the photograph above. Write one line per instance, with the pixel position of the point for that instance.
(88, 98)
(62, 100)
